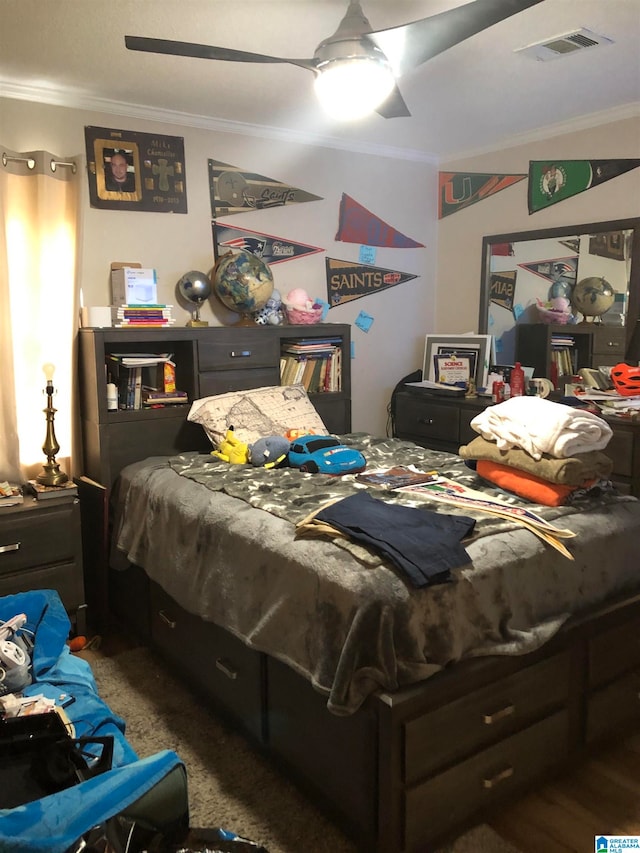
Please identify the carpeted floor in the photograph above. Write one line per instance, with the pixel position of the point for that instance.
(230, 784)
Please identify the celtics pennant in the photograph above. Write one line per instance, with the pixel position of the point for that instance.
(551, 181)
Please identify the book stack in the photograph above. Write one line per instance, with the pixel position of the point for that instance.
(44, 493)
(138, 316)
(315, 363)
(144, 379)
(563, 356)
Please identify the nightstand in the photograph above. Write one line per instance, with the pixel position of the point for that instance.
(41, 548)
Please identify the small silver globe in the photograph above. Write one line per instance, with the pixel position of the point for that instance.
(195, 287)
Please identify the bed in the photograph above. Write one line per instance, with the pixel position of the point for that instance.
(410, 713)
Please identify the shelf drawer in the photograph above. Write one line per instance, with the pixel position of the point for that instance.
(217, 663)
(423, 418)
(614, 652)
(222, 381)
(614, 708)
(229, 350)
(479, 719)
(446, 800)
(38, 536)
(609, 341)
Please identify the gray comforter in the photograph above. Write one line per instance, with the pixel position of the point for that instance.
(220, 539)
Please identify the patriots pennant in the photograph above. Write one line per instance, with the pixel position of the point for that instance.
(272, 250)
(554, 269)
(235, 191)
(356, 224)
(551, 181)
(462, 189)
(348, 280)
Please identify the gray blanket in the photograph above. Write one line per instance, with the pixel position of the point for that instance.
(221, 541)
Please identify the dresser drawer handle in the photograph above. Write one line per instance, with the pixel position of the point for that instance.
(490, 719)
(169, 622)
(614, 344)
(14, 547)
(502, 776)
(426, 421)
(225, 668)
(245, 353)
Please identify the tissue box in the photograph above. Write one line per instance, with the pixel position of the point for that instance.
(133, 286)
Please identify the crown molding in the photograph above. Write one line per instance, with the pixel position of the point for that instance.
(75, 100)
(585, 122)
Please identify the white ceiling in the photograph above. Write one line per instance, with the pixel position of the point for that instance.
(476, 96)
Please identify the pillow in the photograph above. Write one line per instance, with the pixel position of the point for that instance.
(256, 413)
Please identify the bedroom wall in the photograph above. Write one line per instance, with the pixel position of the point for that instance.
(460, 234)
(401, 192)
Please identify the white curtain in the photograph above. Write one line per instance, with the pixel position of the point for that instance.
(39, 223)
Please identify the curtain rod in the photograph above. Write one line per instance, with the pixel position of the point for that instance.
(31, 163)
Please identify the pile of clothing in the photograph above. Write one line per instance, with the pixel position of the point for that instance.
(539, 450)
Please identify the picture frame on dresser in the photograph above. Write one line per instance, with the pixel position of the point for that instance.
(477, 348)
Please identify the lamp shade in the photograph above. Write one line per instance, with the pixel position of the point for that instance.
(349, 89)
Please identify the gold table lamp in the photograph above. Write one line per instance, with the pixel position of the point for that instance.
(51, 475)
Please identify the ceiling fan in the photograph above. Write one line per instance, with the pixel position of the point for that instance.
(358, 59)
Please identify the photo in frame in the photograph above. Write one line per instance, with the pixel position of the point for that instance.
(128, 170)
(478, 349)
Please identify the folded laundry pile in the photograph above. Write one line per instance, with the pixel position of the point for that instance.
(540, 450)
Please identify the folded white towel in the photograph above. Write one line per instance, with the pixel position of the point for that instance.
(540, 426)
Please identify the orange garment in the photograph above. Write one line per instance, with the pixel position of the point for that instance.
(524, 484)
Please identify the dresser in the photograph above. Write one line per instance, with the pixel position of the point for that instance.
(443, 423)
(41, 548)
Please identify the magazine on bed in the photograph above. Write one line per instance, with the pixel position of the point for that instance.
(397, 477)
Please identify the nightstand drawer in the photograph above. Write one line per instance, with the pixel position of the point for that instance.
(227, 350)
(35, 535)
(228, 671)
(476, 720)
(66, 579)
(426, 419)
(441, 803)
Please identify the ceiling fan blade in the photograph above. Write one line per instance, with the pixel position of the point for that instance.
(410, 45)
(205, 51)
(394, 106)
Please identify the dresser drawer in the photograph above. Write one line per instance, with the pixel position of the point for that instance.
(230, 350)
(614, 708)
(479, 719)
(440, 804)
(425, 419)
(614, 652)
(217, 663)
(36, 536)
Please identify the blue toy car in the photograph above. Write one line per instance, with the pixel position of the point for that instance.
(324, 454)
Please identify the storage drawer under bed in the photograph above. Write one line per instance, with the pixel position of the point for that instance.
(215, 662)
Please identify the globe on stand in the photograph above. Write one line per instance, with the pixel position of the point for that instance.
(243, 283)
(195, 287)
(593, 297)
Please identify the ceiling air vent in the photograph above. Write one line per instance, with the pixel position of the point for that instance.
(564, 45)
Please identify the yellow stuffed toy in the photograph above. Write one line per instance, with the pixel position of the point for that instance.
(232, 450)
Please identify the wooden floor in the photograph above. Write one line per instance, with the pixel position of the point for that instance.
(600, 797)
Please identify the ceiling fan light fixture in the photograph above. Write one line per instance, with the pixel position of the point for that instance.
(349, 89)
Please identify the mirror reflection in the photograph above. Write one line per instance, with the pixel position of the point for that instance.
(560, 277)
